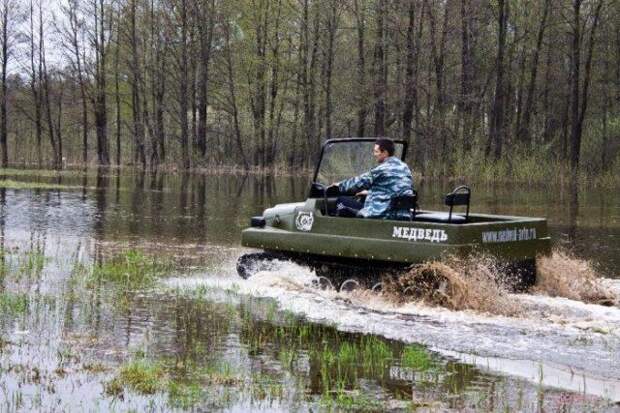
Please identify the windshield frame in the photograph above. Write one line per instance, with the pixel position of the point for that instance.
(346, 140)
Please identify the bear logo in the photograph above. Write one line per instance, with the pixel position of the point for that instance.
(304, 221)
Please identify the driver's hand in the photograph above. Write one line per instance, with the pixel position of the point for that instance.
(362, 193)
(335, 184)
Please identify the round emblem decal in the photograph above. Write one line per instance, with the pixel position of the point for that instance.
(304, 221)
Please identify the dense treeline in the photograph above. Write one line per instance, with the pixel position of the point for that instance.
(260, 83)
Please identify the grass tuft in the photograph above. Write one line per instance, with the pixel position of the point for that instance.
(141, 376)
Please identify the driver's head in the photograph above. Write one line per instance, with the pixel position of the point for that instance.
(384, 148)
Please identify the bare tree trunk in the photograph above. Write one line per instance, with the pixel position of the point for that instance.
(183, 87)
(379, 69)
(498, 123)
(47, 100)
(74, 31)
(233, 96)
(158, 88)
(35, 87)
(296, 103)
(309, 78)
(607, 105)
(438, 57)
(579, 104)
(275, 86)
(4, 18)
(466, 74)
(524, 133)
(136, 87)
(362, 98)
(411, 93)
(205, 28)
(117, 96)
(548, 116)
(59, 116)
(99, 100)
(332, 26)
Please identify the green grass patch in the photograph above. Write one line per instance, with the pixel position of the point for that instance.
(11, 184)
(12, 303)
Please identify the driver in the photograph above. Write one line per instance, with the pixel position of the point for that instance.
(389, 179)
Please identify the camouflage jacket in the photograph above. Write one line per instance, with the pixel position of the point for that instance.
(387, 180)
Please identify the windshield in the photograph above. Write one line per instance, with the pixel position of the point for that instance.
(343, 160)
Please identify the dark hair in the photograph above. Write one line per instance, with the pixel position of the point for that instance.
(385, 144)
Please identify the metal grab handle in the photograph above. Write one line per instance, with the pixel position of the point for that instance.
(324, 210)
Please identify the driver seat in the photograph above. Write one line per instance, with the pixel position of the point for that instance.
(405, 205)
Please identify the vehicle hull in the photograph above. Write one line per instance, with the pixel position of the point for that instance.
(304, 228)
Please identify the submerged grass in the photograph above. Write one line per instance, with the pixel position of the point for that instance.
(353, 400)
(185, 384)
(183, 395)
(141, 375)
(415, 357)
(130, 270)
(13, 303)
(32, 262)
(42, 173)
(11, 184)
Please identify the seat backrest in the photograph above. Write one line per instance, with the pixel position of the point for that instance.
(405, 202)
(459, 196)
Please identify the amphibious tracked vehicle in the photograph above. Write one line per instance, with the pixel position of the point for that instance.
(362, 249)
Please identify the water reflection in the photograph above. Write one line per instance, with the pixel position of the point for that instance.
(573, 210)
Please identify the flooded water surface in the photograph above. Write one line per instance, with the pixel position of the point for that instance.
(120, 293)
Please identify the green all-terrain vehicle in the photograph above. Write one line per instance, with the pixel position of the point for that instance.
(362, 249)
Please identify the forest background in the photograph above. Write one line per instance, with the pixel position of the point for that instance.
(528, 89)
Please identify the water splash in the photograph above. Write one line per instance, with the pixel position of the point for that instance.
(457, 284)
(561, 274)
